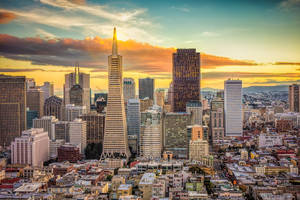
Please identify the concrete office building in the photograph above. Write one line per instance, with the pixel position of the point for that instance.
(146, 88)
(32, 148)
(176, 138)
(12, 108)
(128, 89)
(160, 97)
(133, 117)
(53, 106)
(186, 78)
(48, 90)
(72, 112)
(35, 100)
(194, 108)
(47, 123)
(77, 133)
(198, 149)
(294, 98)
(61, 131)
(233, 108)
(151, 134)
(217, 120)
(95, 124)
(83, 81)
(115, 136)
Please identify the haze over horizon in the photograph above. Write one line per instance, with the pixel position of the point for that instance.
(43, 39)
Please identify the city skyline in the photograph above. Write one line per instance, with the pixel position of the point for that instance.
(232, 45)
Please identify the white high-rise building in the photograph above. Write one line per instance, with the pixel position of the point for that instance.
(151, 134)
(77, 133)
(233, 108)
(128, 89)
(48, 90)
(133, 117)
(72, 112)
(198, 149)
(47, 123)
(32, 148)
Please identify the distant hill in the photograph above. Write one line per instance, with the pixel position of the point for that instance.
(253, 89)
(277, 88)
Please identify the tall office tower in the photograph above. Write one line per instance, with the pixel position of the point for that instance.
(176, 138)
(145, 104)
(95, 123)
(133, 117)
(294, 98)
(151, 134)
(35, 100)
(84, 82)
(217, 120)
(220, 94)
(31, 148)
(77, 133)
(76, 92)
(198, 149)
(186, 78)
(195, 109)
(30, 83)
(48, 90)
(12, 108)
(100, 100)
(170, 94)
(61, 131)
(30, 115)
(115, 136)
(233, 107)
(53, 106)
(128, 89)
(72, 112)
(146, 88)
(47, 123)
(160, 97)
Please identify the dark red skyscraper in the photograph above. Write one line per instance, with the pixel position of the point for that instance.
(186, 78)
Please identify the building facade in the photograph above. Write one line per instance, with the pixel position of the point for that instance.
(176, 138)
(194, 108)
(48, 90)
(72, 112)
(32, 148)
(294, 98)
(186, 78)
(146, 88)
(12, 108)
(95, 124)
(128, 89)
(115, 136)
(77, 133)
(35, 100)
(217, 120)
(198, 149)
(68, 152)
(133, 117)
(233, 108)
(47, 123)
(160, 97)
(53, 106)
(151, 134)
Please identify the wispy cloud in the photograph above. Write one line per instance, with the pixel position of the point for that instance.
(6, 17)
(42, 32)
(182, 9)
(20, 69)
(287, 63)
(287, 4)
(209, 34)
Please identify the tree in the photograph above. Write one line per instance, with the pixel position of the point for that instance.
(93, 151)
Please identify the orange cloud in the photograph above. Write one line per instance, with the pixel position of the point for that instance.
(6, 17)
(93, 52)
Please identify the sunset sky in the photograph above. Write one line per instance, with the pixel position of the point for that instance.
(257, 41)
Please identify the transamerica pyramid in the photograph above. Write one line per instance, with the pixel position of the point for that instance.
(115, 143)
